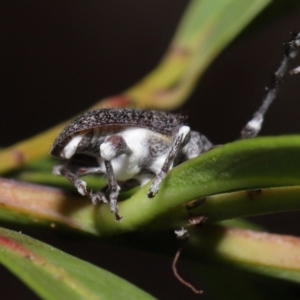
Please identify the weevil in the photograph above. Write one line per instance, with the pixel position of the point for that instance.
(126, 144)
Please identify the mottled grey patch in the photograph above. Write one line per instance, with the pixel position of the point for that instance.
(158, 145)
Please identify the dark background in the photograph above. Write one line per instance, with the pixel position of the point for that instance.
(59, 57)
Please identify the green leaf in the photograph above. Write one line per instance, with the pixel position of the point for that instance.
(245, 165)
(53, 274)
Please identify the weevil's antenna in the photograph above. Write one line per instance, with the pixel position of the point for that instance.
(253, 127)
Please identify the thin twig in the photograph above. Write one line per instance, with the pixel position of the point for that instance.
(180, 279)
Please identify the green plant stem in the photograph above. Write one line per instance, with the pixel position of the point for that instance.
(247, 177)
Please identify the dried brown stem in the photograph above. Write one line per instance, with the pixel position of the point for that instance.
(180, 279)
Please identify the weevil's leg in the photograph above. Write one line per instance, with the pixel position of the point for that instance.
(99, 196)
(113, 190)
(72, 172)
(72, 177)
(253, 127)
(179, 140)
(112, 147)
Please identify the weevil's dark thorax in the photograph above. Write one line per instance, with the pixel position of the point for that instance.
(111, 118)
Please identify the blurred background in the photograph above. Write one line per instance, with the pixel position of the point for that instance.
(59, 57)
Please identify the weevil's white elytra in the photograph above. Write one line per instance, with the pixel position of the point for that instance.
(137, 144)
